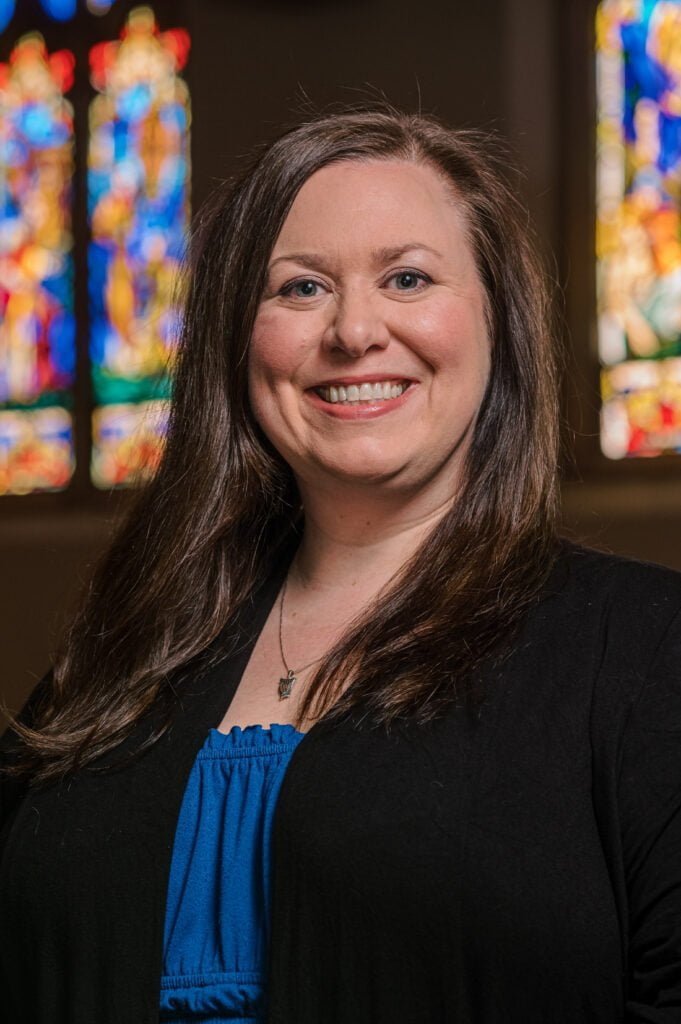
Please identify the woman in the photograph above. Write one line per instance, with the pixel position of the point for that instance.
(351, 540)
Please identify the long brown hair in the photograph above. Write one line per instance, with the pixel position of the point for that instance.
(202, 534)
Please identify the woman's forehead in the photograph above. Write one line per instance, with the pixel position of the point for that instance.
(370, 204)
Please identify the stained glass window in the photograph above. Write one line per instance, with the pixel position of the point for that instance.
(99, 6)
(37, 331)
(639, 225)
(7, 8)
(59, 10)
(138, 174)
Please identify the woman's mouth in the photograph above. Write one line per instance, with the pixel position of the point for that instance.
(355, 394)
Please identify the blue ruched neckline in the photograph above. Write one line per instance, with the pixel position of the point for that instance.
(247, 738)
(217, 910)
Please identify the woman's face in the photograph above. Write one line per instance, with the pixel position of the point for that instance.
(370, 351)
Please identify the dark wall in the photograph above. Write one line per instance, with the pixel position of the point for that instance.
(256, 64)
(503, 64)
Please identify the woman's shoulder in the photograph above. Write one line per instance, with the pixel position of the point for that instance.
(604, 578)
(620, 608)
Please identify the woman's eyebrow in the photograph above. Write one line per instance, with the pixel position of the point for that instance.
(388, 254)
(307, 259)
(379, 257)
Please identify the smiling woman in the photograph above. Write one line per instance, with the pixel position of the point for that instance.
(409, 317)
(456, 813)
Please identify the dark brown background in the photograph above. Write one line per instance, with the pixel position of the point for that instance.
(521, 67)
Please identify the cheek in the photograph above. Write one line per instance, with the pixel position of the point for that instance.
(453, 339)
(275, 354)
(278, 346)
(266, 366)
(261, 351)
(266, 358)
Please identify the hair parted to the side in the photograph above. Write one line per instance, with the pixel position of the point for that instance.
(202, 534)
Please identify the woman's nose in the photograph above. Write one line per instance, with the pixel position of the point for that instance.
(357, 325)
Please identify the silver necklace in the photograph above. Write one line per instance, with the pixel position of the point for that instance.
(291, 677)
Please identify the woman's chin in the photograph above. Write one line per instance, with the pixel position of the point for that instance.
(386, 474)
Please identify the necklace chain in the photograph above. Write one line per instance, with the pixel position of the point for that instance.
(286, 683)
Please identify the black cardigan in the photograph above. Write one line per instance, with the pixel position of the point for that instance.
(518, 866)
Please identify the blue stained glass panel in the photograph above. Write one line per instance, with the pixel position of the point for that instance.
(6, 12)
(138, 206)
(60, 10)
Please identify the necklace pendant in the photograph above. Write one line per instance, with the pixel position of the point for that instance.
(286, 685)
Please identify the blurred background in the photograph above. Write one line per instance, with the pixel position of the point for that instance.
(116, 121)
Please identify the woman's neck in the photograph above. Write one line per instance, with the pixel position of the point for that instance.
(361, 541)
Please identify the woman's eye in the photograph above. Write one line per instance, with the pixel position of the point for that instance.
(304, 288)
(410, 280)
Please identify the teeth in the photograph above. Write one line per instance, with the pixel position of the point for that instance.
(363, 393)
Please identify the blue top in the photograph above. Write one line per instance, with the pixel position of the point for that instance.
(217, 910)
